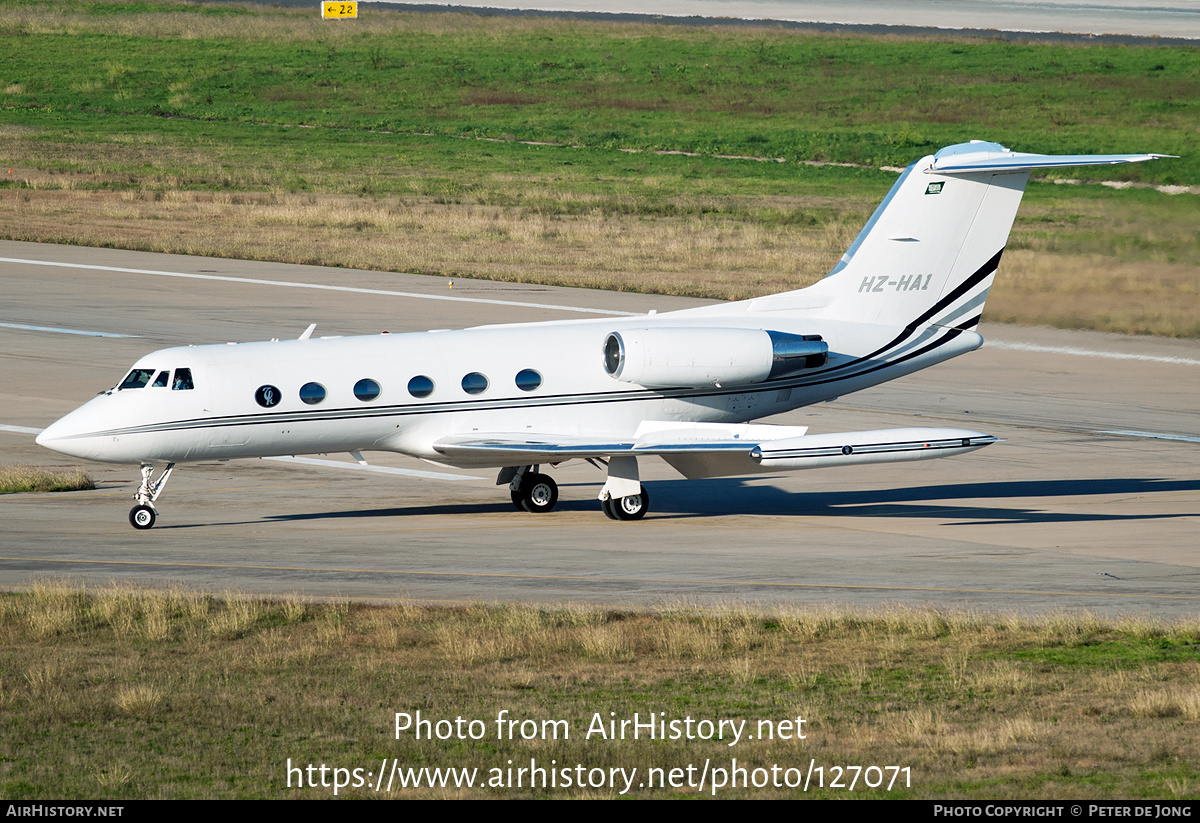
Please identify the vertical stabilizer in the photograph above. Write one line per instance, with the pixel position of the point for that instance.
(930, 251)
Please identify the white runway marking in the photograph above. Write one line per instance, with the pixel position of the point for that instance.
(1112, 355)
(64, 331)
(317, 286)
(1153, 435)
(339, 464)
(19, 429)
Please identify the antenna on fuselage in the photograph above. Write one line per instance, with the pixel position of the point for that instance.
(308, 332)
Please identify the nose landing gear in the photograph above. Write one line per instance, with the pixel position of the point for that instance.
(143, 515)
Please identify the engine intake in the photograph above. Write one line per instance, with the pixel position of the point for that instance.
(694, 357)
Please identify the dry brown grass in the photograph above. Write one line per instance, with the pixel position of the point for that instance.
(714, 255)
(138, 700)
(973, 703)
(711, 255)
(1180, 701)
(1075, 291)
(38, 479)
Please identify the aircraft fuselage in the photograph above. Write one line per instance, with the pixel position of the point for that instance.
(246, 401)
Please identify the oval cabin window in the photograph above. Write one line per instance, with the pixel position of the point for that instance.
(420, 386)
(474, 383)
(367, 390)
(312, 393)
(528, 379)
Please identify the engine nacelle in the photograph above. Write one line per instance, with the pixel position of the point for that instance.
(694, 357)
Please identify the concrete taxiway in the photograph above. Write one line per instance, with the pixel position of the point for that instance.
(1092, 502)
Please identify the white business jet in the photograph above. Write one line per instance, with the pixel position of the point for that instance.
(907, 294)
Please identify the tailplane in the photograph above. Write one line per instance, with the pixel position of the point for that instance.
(930, 251)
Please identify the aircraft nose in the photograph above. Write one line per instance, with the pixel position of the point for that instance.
(69, 435)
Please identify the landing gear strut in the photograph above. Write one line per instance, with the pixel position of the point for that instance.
(622, 498)
(532, 491)
(143, 515)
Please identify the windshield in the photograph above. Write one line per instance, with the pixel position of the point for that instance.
(136, 379)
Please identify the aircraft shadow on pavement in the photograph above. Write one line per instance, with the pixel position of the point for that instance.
(939, 502)
(965, 503)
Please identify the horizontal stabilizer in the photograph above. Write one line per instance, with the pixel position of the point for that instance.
(968, 158)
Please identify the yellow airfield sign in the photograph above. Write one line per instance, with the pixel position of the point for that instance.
(339, 8)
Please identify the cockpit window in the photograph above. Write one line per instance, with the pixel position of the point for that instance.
(137, 379)
(183, 380)
(164, 377)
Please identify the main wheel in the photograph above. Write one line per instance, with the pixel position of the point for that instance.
(539, 493)
(632, 507)
(607, 505)
(142, 517)
(516, 500)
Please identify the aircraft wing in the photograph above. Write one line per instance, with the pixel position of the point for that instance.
(716, 450)
(651, 438)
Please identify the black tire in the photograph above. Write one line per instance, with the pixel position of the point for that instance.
(142, 517)
(539, 493)
(633, 507)
(516, 500)
(606, 506)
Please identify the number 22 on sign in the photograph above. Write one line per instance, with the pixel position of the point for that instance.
(339, 9)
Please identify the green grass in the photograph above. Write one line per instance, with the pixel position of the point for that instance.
(765, 92)
(119, 152)
(124, 693)
(1114, 653)
(392, 142)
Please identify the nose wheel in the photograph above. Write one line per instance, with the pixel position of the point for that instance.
(143, 515)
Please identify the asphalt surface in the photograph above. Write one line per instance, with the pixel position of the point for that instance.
(1063, 515)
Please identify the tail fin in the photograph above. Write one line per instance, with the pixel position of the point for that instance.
(930, 251)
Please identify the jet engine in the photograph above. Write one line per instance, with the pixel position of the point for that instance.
(694, 357)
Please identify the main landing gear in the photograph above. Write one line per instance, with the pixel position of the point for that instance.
(622, 498)
(629, 507)
(143, 515)
(531, 491)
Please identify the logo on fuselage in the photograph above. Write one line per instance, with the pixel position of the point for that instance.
(268, 396)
